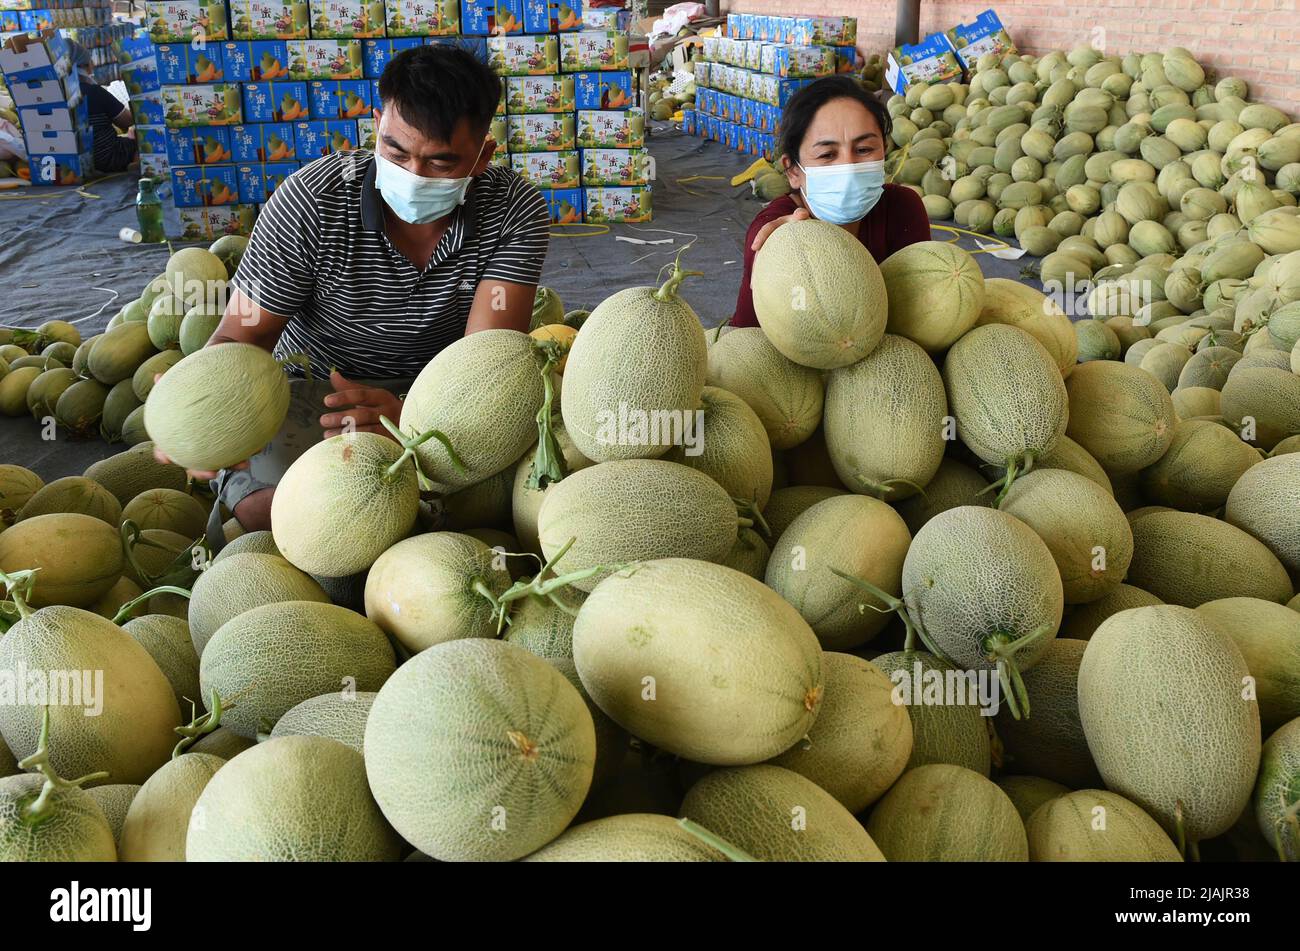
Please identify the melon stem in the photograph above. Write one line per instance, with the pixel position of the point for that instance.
(200, 726)
(750, 516)
(410, 444)
(885, 490)
(18, 585)
(734, 853)
(38, 809)
(548, 461)
(125, 612)
(1000, 648)
(668, 291)
(897, 606)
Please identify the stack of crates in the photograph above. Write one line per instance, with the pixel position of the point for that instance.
(744, 79)
(51, 110)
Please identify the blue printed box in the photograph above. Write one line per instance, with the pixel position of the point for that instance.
(493, 18)
(54, 170)
(747, 111)
(477, 45)
(325, 59)
(985, 35)
(539, 94)
(604, 90)
(132, 49)
(553, 16)
(258, 181)
(140, 78)
(35, 59)
(339, 99)
(199, 146)
(548, 169)
(824, 31)
(565, 205)
(688, 121)
(933, 60)
(264, 142)
(275, 102)
(180, 64)
(803, 62)
(9, 21)
(148, 109)
(376, 53)
(152, 139)
(323, 137)
(846, 58)
(255, 61)
(203, 186)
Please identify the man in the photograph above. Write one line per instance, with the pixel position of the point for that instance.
(371, 263)
(108, 114)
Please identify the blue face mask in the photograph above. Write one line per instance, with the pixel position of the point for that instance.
(417, 199)
(842, 194)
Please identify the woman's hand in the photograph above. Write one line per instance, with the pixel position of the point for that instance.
(799, 214)
(198, 475)
(362, 405)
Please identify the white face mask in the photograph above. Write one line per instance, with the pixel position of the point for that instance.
(416, 199)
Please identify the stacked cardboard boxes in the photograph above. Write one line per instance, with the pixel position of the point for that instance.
(51, 110)
(745, 78)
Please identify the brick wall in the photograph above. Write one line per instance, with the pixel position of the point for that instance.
(1257, 40)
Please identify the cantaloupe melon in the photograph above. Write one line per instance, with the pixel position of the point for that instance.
(143, 380)
(853, 534)
(1193, 402)
(1209, 368)
(1188, 559)
(134, 470)
(340, 716)
(735, 670)
(634, 510)
(1203, 463)
(1083, 619)
(195, 274)
(240, 582)
(936, 293)
(985, 589)
(1068, 454)
(479, 750)
(786, 395)
(292, 798)
(485, 504)
(132, 709)
(436, 587)
(117, 354)
(1268, 636)
(77, 558)
(526, 502)
(749, 555)
(13, 390)
(1018, 305)
(611, 740)
(884, 420)
(731, 447)
(81, 406)
(344, 502)
(221, 742)
(1120, 414)
(942, 732)
(73, 494)
(635, 372)
(818, 294)
(630, 837)
(861, 740)
(17, 485)
(154, 552)
(273, 657)
(1265, 400)
(942, 813)
(159, 818)
(70, 828)
(786, 504)
(123, 591)
(1092, 825)
(250, 543)
(1162, 705)
(777, 815)
(1096, 341)
(1027, 793)
(954, 484)
(114, 801)
(1278, 791)
(1006, 393)
(197, 327)
(1265, 502)
(43, 395)
(1082, 525)
(167, 639)
(120, 403)
(167, 508)
(538, 625)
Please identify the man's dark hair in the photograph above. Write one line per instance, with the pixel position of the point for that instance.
(435, 87)
(803, 105)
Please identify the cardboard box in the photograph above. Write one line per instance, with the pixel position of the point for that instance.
(178, 21)
(606, 18)
(616, 167)
(57, 170)
(35, 58)
(846, 59)
(540, 94)
(423, 17)
(55, 141)
(209, 224)
(500, 132)
(347, 19)
(138, 47)
(475, 45)
(366, 131)
(803, 62)
(541, 133)
(616, 205)
(553, 16)
(180, 64)
(54, 118)
(493, 18)
(155, 166)
(203, 186)
(322, 137)
(325, 59)
(611, 130)
(548, 169)
(199, 146)
(593, 50)
(147, 109)
(339, 99)
(500, 159)
(688, 121)
(823, 31)
(9, 21)
(524, 55)
(933, 60)
(375, 54)
(270, 19)
(565, 205)
(217, 104)
(276, 102)
(152, 139)
(985, 34)
(258, 181)
(610, 89)
(255, 61)
(263, 142)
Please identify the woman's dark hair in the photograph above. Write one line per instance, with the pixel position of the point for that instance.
(803, 105)
(434, 87)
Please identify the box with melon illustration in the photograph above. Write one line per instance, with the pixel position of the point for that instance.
(347, 19)
(325, 59)
(255, 61)
(202, 186)
(604, 90)
(548, 169)
(148, 109)
(367, 129)
(140, 78)
(616, 167)
(199, 146)
(422, 17)
(500, 132)
(540, 94)
(985, 34)
(492, 17)
(593, 50)
(607, 18)
(152, 139)
(180, 64)
(500, 159)
(933, 60)
(275, 102)
(259, 180)
(263, 142)
(565, 205)
(179, 21)
(375, 54)
(611, 130)
(9, 21)
(339, 98)
(57, 170)
(216, 104)
(322, 137)
(524, 55)
(541, 133)
(209, 224)
(155, 166)
(616, 205)
(270, 19)
(553, 16)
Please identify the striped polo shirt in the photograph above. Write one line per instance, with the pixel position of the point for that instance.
(319, 256)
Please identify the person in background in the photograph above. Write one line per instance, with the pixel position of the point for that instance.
(108, 116)
(833, 137)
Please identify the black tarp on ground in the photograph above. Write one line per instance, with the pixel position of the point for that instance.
(61, 257)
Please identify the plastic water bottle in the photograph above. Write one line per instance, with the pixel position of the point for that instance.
(149, 212)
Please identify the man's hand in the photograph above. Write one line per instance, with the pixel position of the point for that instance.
(363, 405)
(799, 214)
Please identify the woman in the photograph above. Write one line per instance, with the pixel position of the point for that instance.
(111, 152)
(833, 136)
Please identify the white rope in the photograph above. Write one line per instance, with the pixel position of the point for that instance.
(107, 303)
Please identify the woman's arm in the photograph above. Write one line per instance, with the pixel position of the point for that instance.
(908, 221)
(765, 222)
(123, 120)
